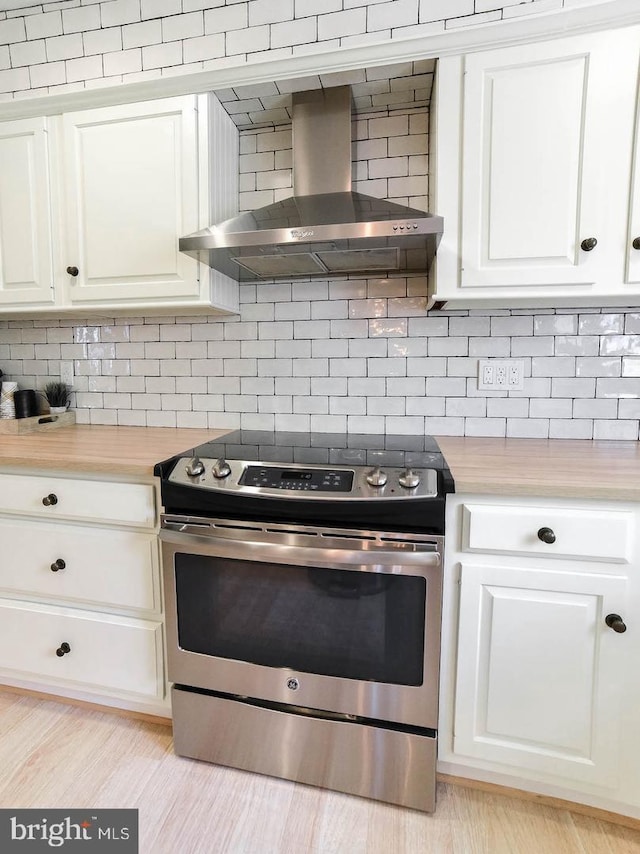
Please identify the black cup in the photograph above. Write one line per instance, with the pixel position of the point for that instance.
(25, 402)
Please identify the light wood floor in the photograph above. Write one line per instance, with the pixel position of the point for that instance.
(55, 755)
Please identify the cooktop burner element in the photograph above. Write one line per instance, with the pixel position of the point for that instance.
(338, 479)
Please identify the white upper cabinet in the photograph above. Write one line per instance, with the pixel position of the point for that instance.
(536, 183)
(633, 237)
(26, 272)
(130, 189)
(93, 203)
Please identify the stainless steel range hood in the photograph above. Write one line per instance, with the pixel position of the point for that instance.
(324, 229)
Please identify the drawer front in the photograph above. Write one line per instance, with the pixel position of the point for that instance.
(52, 497)
(94, 566)
(107, 654)
(603, 535)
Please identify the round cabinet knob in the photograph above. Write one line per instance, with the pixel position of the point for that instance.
(588, 244)
(63, 649)
(73, 271)
(376, 477)
(636, 243)
(221, 469)
(615, 622)
(50, 499)
(546, 535)
(57, 565)
(194, 467)
(409, 479)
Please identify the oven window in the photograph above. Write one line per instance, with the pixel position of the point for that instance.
(355, 625)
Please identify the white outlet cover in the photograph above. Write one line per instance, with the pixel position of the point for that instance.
(500, 374)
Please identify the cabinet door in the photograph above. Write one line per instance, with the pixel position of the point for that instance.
(633, 251)
(540, 673)
(547, 139)
(26, 269)
(130, 191)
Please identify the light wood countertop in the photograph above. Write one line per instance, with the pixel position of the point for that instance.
(562, 468)
(101, 449)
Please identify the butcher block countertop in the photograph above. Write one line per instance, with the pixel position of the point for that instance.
(554, 467)
(97, 448)
(562, 468)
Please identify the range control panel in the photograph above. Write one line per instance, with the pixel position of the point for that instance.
(306, 481)
(274, 477)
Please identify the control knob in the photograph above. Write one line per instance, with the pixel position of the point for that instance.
(194, 467)
(376, 477)
(409, 479)
(221, 469)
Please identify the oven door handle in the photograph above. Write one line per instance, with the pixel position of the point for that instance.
(193, 540)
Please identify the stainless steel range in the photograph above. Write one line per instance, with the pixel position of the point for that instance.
(302, 579)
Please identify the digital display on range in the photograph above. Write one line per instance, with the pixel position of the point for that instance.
(310, 480)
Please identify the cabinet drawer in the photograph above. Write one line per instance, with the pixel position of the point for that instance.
(108, 654)
(131, 504)
(582, 534)
(97, 566)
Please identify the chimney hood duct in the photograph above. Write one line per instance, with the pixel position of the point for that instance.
(324, 229)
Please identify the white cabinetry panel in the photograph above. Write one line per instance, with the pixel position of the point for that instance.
(82, 570)
(26, 264)
(51, 496)
(536, 183)
(131, 189)
(539, 670)
(633, 237)
(107, 652)
(98, 566)
(581, 534)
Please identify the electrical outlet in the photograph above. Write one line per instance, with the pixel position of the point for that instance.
(66, 373)
(500, 374)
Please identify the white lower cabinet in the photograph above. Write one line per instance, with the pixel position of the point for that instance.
(540, 645)
(80, 594)
(539, 672)
(105, 653)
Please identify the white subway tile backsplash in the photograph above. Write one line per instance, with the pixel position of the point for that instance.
(630, 366)
(577, 345)
(490, 346)
(161, 55)
(41, 26)
(626, 387)
(560, 366)
(122, 11)
(610, 367)
(120, 62)
(139, 35)
(248, 40)
(623, 345)
(619, 429)
(570, 429)
(600, 324)
(187, 26)
(64, 47)
(81, 19)
(541, 345)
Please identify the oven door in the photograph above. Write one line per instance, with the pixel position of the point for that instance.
(343, 621)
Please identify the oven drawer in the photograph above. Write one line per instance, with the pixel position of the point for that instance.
(108, 568)
(369, 761)
(107, 654)
(548, 531)
(102, 501)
